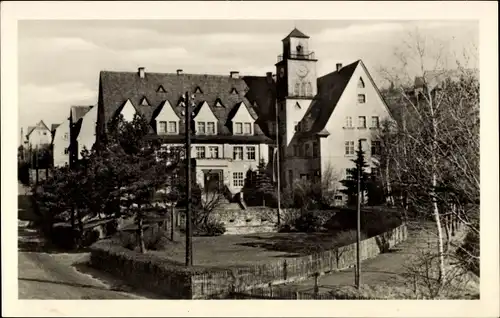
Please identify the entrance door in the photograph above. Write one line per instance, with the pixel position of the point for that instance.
(212, 180)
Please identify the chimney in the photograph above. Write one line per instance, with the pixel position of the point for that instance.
(339, 66)
(269, 76)
(179, 72)
(142, 72)
(234, 74)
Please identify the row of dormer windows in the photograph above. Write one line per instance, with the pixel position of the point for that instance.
(205, 128)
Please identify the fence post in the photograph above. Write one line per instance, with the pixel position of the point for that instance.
(284, 270)
(297, 295)
(316, 288)
(270, 290)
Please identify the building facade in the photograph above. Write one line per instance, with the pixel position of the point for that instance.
(60, 144)
(318, 120)
(38, 135)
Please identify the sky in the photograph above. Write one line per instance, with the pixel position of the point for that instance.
(59, 61)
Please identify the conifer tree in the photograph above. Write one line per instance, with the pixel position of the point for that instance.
(350, 183)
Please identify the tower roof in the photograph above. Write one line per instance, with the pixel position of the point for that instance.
(296, 34)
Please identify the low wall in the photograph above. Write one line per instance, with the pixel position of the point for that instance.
(174, 280)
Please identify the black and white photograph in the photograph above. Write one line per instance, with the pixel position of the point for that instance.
(246, 159)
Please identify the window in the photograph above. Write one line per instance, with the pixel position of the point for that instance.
(45, 133)
(162, 128)
(375, 147)
(349, 147)
(361, 122)
(201, 128)
(66, 151)
(295, 150)
(218, 104)
(309, 89)
(161, 89)
(66, 135)
(234, 91)
(238, 179)
(213, 152)
(198, 90)
(200, 152)
(211, 128)
(248, 128)
(290, 176)
(297, 89)
(361, 98)
(251, 153)
(348, 121)
(315, 150)
(238, 153)
(375, 122)
(361, 83)
(172, 127)
(304, 176)
(144, 102)
(238, 128)
(307, 148)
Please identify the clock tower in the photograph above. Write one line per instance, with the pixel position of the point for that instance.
(296, 83)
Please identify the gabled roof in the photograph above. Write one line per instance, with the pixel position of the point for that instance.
(39, 125)
(77, 112)
(330, 89)
(117, 87)
(54, 126)
(235, 109)
(296, 34)
(262, 93)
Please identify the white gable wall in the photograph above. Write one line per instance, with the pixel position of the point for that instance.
(39, 137)
(243, 116)
(205, 115)
(128, 111)
(87, 136)
(167, 114)
(333, 147)
(61, 144)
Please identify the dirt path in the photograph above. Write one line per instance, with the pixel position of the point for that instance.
(45, 273)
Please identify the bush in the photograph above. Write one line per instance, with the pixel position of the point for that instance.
(157, 240)
(63, 236)
(212, 228)
(308, 222)
(111, 227)
(89, 237)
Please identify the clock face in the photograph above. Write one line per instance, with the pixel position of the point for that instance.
(302, 71)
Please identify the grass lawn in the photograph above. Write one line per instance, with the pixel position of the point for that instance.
(241, 250)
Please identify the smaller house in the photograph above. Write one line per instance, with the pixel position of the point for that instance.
(60, 144)
(82, 123)
(38, 135)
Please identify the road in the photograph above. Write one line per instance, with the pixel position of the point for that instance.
(45, 273)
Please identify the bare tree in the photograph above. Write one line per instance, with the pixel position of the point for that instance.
(435, 150)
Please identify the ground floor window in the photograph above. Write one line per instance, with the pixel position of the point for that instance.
(238, 179)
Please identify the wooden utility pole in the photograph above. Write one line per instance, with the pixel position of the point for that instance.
(358, 221)
(189, 247)
(278, 164)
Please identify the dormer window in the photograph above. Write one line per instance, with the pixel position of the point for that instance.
(206, 128)
(218, 103)
(144, 102)
(245, 128)
(198, 90)
(161, 89)
(181, 103)
(234, 91)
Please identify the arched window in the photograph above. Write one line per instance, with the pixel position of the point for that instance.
(297, 89)
(303, 92)
(308, 90)
(361, 83)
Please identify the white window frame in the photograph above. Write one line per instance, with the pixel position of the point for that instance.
(213, 152)
(236, 130)
(375, 122)
(240, 153)
(169, 123)
(348, 121)
(198, 128)
(238, 179)
(162, 127)
(65, 136)
(198, 153)
(249, 126)
(361, 98)
(254, 151)
(213, 132)
(361, 121)
(349, 148)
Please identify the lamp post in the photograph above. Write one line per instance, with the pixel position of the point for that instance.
(189, 231)
(358, 221)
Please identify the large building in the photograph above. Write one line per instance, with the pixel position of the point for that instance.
(320, 119)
